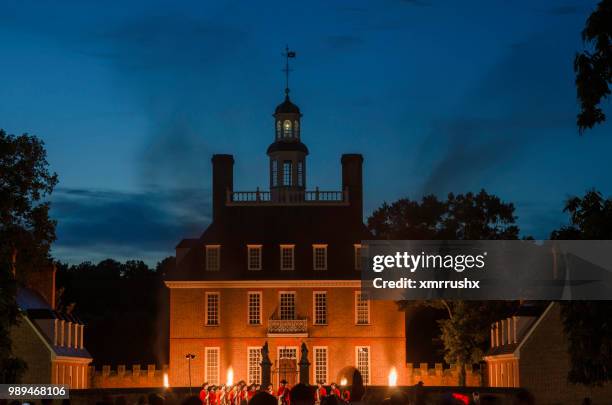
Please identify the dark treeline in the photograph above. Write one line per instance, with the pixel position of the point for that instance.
(124, 305)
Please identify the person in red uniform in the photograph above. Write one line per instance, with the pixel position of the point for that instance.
(204, 393)
(230, 395)
(283, 393)
(346, 396)
(221, 395)
(251, 392)
(320, 393)
(212, 395)
(244, 394)
(334, 390)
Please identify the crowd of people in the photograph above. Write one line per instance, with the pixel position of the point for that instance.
(242, 393)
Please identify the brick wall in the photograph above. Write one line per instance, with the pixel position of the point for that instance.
(544, 364)
(122, 377)
(440, 376)
(28, 346)
(188, 334)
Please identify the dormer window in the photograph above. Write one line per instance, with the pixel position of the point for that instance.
(213, 257)
(319, 257)
(254, 257)
(287, 129)
(287, 257)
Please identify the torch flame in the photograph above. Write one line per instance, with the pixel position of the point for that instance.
(343, 381)
(393, 377)
(166, 383)
(230, 376)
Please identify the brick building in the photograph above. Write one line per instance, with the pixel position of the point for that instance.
(281, 266)
(529, 350)
(51, 342)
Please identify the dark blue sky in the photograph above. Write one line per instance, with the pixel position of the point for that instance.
(132, 99)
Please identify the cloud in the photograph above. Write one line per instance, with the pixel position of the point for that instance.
(417, 3)
(96, 224)
(565, 10)
(342, 42)
(524, 99)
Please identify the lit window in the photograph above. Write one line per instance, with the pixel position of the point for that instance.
(362, 308)
(287, 173)
(320, 307)
(274, 173)
(287, 257)
(253, 365)
(287, 128)
(254, 308)
(320, 364)
(212, 309)
(287, 305)
(357, 256)
(213, 257)
(212, 365)
(254, 257)
(362, 360)
(319, 257)
(300, 173)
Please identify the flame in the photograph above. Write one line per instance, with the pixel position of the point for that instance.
(392, 377)
(166, 383)
(343, 381)
(230, 376)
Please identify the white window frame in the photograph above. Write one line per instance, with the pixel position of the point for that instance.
(254, 248)
(280, 294)
(213, 266)
(207, 377)
(258, 293)
(315, 367)
(254, 370)
(357, 294)
(290, 248)
(315, 248)
(218, 295)
(366, 381)
(357, 255)
(314, 308)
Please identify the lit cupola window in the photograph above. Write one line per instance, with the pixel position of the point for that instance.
(287, 129)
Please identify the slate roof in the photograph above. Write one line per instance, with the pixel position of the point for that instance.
(35, 307)
(271, 226)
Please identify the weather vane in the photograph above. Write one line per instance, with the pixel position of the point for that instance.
(287, 54)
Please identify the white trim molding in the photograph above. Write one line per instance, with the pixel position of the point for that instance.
(265, 284)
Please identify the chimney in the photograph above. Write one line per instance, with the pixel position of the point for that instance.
(222, 182)
(353, 182)
(43, 282)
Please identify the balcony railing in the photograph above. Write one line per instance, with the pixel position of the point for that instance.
(287, 326)
(287, 197)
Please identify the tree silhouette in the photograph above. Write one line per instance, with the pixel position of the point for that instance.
(26, 231)
(593, 66)
(481, 216)
(588, 324)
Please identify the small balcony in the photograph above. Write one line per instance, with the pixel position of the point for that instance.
(287, 197)
(288, 327)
